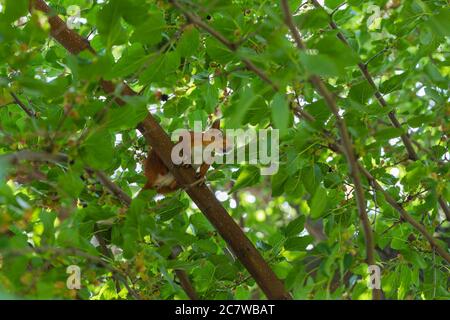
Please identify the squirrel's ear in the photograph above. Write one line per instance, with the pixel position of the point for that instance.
(216, 124)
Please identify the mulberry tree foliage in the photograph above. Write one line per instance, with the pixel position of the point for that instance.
(59, 129)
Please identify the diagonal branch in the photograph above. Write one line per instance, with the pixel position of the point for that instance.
(200, 194)
(346, 143)
(407, 141)
(337, 148)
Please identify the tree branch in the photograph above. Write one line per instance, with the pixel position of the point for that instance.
(200, 194)
(112, 187)
(27, 155)
(22, 105)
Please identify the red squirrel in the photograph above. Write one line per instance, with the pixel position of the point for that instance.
(161, 179)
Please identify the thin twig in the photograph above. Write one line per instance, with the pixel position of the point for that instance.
(22, 105)
(113, 188)
(28, 155)
(337, 8)
(375, 56)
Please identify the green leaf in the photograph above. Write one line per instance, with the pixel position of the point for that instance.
(295, 227)
(166, 64)
(312, 19)
(319, 203)
(131, 61)
(109, 23)
(298, 243)
(189, 42)
(399, 240)
(332, 3)
(361, 92)
(418, 121)
(415, 258)
(205, 245)
(71, 184)
(98, 150)
(405, 281)
(311, 178)
(97, 213)
(200, 224)
(319, 64)
(278, 181)
(204, 276)
(48, 220)
(210, 95)
(150, 32)
(332, 47)
(134, 12)
(198, 115)
(217, 51)
(14, 9)
(393, 83)
(440, 22)
(280, 111)
(248, 176)
(127, 116)
(69, 237)
(320, 111)
(415, 175)
(169, 208)
(175, 108)
(388, 133)
(241, 104)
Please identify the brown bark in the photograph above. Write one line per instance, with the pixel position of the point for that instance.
(201, 195)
